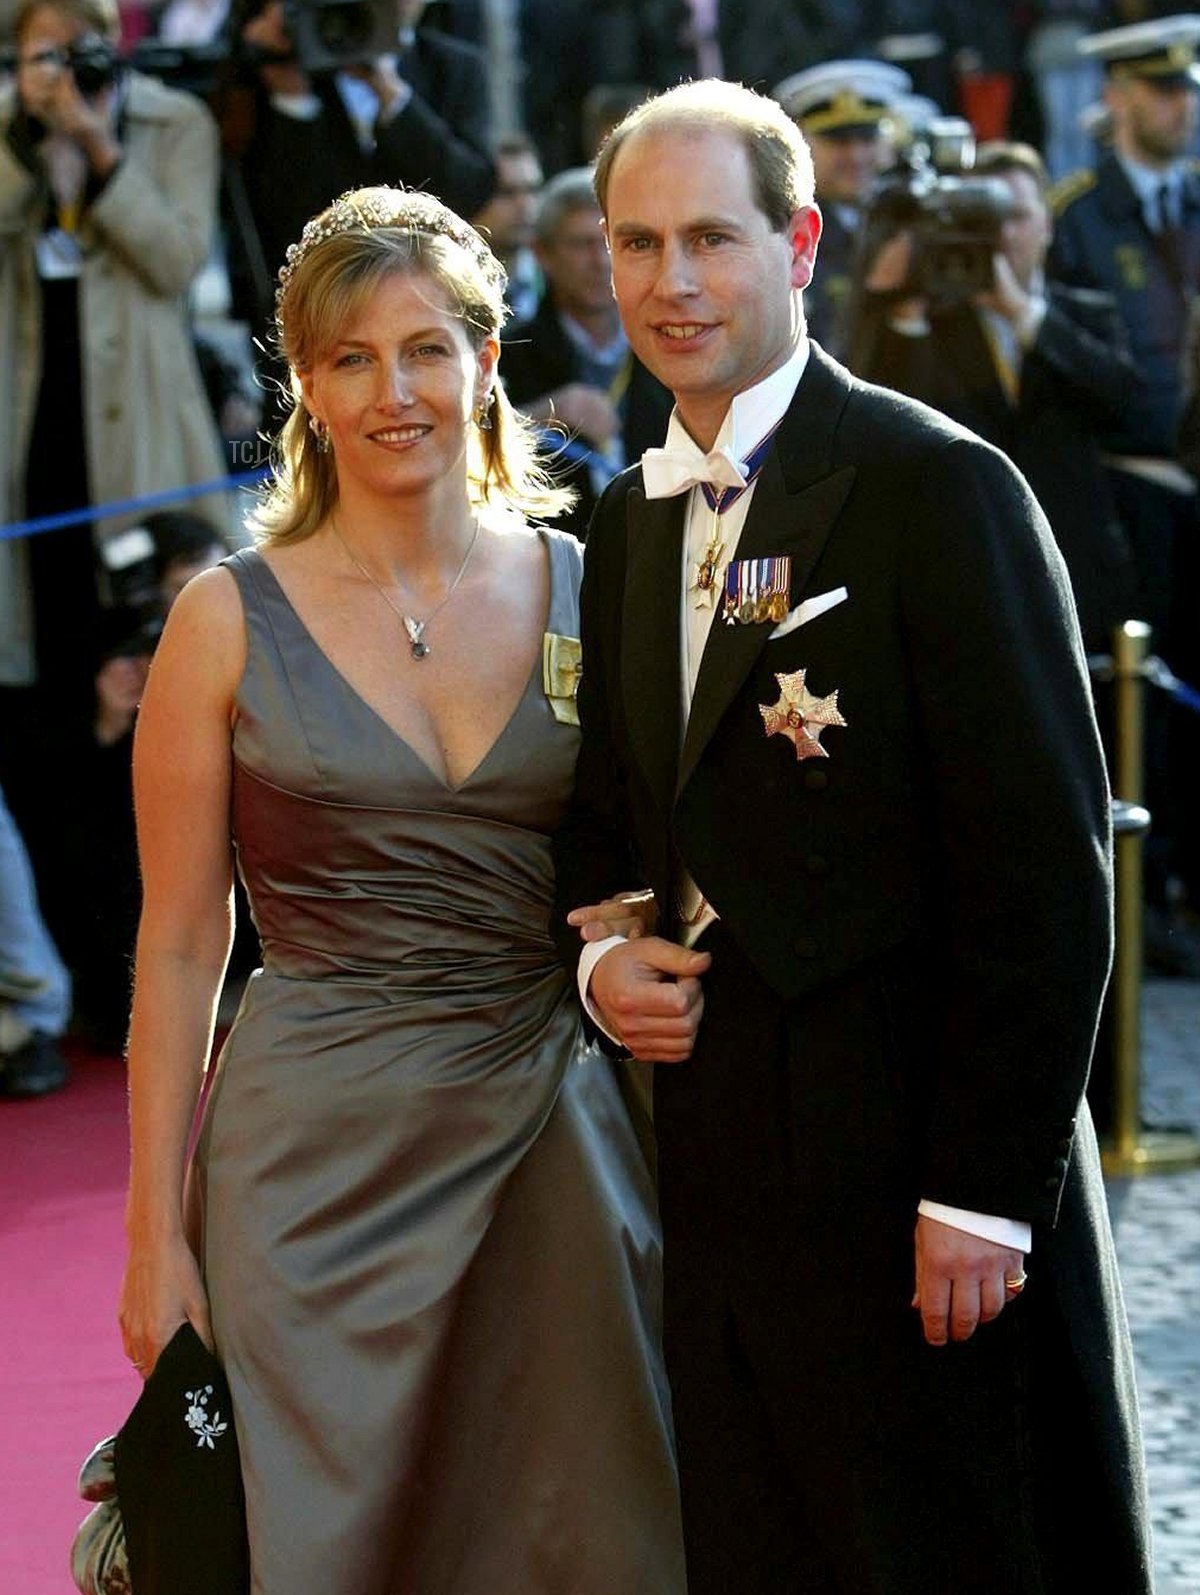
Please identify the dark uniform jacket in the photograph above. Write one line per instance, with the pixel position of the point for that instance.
(827, 297)
(538, 357)
(913, 942)
(1102, 241)
(1076, 383)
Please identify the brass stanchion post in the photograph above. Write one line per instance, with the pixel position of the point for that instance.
(1133, 1150)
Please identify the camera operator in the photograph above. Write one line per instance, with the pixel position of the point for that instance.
(841, 108)
(1039, 371)
(417, 115)
(107, 206)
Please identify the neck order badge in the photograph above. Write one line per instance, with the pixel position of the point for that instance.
(707, 574)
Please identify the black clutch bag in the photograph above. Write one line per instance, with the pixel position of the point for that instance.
(170, 1513)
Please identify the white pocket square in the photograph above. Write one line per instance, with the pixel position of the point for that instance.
(809, 610)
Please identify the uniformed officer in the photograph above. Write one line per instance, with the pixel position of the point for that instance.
(1132, 226)
(841, 108)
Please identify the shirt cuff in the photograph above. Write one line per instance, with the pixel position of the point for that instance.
(591, 955)
(1030, 323)
(300, 107)
(910, 326)
(400, 103)
(1004, 1231)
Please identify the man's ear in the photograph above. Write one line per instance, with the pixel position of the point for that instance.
(803, 233)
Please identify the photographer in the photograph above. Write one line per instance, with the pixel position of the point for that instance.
(107, 204)
(1038, 371)
(841, 107)
(417, 116)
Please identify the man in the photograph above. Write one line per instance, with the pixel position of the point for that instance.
(418, 117)
(882, 822)
(507, 220)
(841, 108)
(571, 364)
(1132, 229)
(1040, 371)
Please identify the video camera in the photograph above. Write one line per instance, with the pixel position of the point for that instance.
(954, 218)
(330, 34)
(326, 36)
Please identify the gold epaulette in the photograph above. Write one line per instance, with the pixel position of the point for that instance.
(1069, 188)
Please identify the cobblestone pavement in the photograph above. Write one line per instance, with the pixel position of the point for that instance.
(1156, 1220)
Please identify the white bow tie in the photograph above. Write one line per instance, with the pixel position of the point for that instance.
(666, 472)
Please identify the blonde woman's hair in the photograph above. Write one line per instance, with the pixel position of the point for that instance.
(343, 256)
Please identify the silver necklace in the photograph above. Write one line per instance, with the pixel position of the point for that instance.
(417, 646)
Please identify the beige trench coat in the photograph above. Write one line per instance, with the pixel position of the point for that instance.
(147, 423)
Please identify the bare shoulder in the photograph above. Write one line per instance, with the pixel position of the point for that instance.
(203, 646)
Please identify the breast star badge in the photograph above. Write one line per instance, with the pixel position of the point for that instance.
(800, 716)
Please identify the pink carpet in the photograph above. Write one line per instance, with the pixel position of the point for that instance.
(64, 1383)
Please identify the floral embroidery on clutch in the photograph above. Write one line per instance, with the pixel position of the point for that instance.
(204, 1425)
(562, 666)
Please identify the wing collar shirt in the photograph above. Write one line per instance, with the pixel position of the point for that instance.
(681, 466)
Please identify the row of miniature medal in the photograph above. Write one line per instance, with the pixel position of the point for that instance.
(755, 590)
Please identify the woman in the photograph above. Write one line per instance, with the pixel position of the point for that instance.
(108, 190)
(422, 1219)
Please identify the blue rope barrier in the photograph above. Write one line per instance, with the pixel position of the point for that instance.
(130, 506)
(1159, 675)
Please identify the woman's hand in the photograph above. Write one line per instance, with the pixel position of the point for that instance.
(629, 914)
(160, 1290)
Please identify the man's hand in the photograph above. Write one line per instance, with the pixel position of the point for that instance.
(890, 272)
(384, 77)
(585, 410)
(648, 995)
(960, 1279)
(627, 914)
(120, 683)
(1006, 296)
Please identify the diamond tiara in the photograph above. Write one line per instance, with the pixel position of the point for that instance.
(366, 210)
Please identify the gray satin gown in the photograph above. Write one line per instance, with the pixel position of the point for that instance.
(427, 1230)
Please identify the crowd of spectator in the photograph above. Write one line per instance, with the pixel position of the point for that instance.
(142, 145)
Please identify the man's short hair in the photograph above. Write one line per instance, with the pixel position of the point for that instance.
(778, 154)
(999, 157)
(565, 193)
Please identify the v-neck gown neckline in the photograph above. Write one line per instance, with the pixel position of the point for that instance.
(304, 633)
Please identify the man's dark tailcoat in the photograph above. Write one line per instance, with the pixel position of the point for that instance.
(914, 937)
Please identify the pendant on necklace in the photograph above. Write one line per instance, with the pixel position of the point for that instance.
(414, 628)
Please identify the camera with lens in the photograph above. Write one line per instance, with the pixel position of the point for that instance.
(93, 62)
(953, 217)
